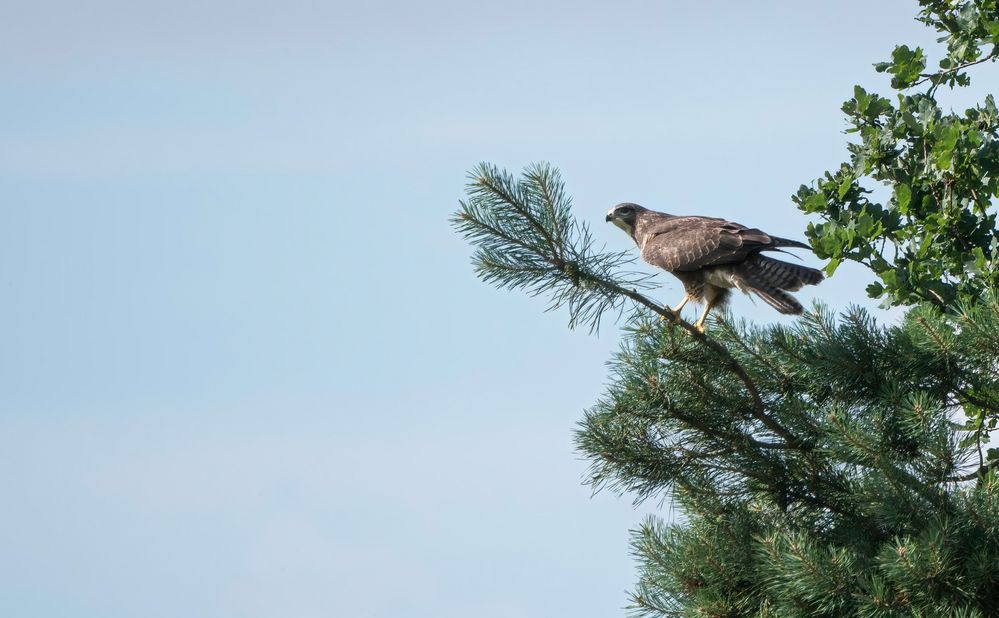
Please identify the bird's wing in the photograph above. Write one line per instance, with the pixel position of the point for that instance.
(691, 243)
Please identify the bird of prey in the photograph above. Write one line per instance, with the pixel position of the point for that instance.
(711, 256)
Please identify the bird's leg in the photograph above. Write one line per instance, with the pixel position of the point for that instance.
(699, 325)
(676, 310)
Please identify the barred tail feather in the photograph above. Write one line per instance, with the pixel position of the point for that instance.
(772, 279)
(779, 300)
(777, 274)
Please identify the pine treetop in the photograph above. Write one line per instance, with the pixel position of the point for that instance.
(833, 467)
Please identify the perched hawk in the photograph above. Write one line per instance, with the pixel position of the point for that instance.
(711, 256)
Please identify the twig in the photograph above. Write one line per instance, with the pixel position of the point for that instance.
(938, 77)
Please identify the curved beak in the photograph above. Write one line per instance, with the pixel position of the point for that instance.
(609, 217)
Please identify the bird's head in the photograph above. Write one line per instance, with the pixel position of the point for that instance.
(624, 216)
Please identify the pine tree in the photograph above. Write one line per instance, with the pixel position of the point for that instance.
(836, 467)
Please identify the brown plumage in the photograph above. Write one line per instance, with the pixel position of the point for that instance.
(711, 256)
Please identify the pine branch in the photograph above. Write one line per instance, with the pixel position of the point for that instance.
(526, 238)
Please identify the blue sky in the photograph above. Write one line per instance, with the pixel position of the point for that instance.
(246, 368)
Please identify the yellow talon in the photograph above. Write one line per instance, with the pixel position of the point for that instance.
(663, 318)
(675, 310)
(699, 325)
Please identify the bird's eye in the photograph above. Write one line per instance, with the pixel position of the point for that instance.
(624, 211)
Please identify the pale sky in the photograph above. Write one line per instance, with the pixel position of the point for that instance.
(245, 367)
